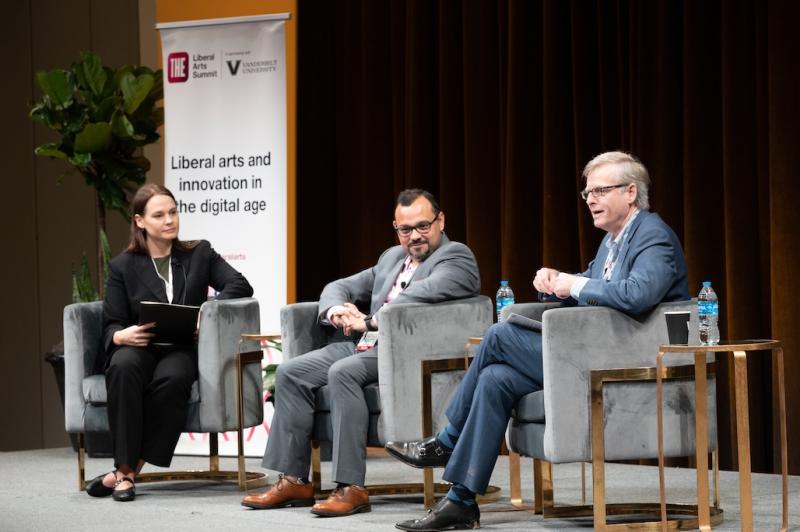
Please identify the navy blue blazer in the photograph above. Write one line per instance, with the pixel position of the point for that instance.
(132, 279)
(650, 269)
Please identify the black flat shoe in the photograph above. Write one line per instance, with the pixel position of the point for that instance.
(420, 453)
(127, 494)
(446, 515)
(96, 488)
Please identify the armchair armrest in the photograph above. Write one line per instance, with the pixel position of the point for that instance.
(222, 323)
(83, 332)
(410, 333)
(301, 331)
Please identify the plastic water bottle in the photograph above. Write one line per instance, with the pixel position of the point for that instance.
(504, 298)
(708, 315)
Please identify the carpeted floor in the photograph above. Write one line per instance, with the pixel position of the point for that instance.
(38, 492)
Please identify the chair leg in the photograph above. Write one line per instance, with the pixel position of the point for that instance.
(316, 468)
(543, 486)
(81, 464)
(514, 480)
(213, 451)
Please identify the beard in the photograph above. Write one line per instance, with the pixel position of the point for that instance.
(419, 253)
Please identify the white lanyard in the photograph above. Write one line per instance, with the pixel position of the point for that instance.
(167, 282)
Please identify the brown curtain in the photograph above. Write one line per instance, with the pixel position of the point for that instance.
(495, 106)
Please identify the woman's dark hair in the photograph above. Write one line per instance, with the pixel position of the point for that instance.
(138, 238)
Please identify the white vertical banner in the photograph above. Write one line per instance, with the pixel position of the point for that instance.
(225, 144)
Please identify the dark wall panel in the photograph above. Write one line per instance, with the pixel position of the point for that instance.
(48, 225)
(19, 332)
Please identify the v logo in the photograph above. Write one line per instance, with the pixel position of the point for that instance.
(233, 66)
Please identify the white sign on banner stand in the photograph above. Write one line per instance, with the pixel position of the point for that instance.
(225, 117)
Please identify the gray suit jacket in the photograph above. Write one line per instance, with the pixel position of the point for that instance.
(450, 272)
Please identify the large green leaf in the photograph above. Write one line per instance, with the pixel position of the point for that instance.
(80, 160)
(91, 71)
(135, 90)
(83, 289)
(94, 137)
(51, 150)
(58, 86)
(122, 127)
(105, 109)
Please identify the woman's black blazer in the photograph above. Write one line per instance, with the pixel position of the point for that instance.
(132, 278)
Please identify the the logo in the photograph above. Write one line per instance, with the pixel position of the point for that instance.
(233, 66)
(178, 67)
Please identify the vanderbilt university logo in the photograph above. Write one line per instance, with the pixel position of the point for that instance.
(233, 66)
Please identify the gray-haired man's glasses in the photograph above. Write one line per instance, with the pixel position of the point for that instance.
(599, 192)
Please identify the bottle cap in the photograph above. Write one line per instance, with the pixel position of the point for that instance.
(503, 283)
(706, 283)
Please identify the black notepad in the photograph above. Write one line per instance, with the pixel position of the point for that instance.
(522, 321)
(175, 324)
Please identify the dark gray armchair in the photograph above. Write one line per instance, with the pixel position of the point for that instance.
(594, 354)
(213, 404)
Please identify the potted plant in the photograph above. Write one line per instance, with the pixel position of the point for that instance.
(102, 118)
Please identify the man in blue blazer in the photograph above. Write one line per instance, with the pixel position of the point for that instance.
(426, 267)
(640, 263)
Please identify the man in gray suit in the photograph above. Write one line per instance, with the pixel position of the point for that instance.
(426, 267)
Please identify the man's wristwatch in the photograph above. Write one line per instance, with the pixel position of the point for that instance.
(368, 323)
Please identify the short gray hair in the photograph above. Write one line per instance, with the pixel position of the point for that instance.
(631, 170)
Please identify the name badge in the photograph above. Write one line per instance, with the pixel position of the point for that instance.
(368, 341)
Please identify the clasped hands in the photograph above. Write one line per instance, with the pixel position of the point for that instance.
(349, 319)
(549, 281)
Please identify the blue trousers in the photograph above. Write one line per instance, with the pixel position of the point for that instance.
(507, 366)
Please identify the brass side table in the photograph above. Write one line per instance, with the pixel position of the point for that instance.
(740, 350)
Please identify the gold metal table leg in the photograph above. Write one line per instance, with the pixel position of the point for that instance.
(701, 439)
(784, 455)
(743, 438)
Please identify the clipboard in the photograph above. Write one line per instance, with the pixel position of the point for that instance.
(175, 324)
(524, 322)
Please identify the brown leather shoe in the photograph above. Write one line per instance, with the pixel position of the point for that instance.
(347, 500)
(282, 494)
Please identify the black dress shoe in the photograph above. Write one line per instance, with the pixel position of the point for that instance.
(126, 495)
(420, 453)
(96, 488)
(446, 515)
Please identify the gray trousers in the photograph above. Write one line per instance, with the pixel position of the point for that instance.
(296, 383)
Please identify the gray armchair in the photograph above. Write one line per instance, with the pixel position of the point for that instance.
(409, 333)
(603, 356)
(213, 404)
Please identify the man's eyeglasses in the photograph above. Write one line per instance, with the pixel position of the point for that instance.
(422, 228)
(599, 192)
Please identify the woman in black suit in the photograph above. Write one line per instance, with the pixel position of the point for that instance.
(149, 384)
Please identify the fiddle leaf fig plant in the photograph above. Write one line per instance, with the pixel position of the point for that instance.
(102, 116)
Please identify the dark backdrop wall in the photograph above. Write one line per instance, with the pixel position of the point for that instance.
(46, 226)
(495, 106)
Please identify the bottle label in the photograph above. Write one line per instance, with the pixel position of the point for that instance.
(708, 308)
(503, 302)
